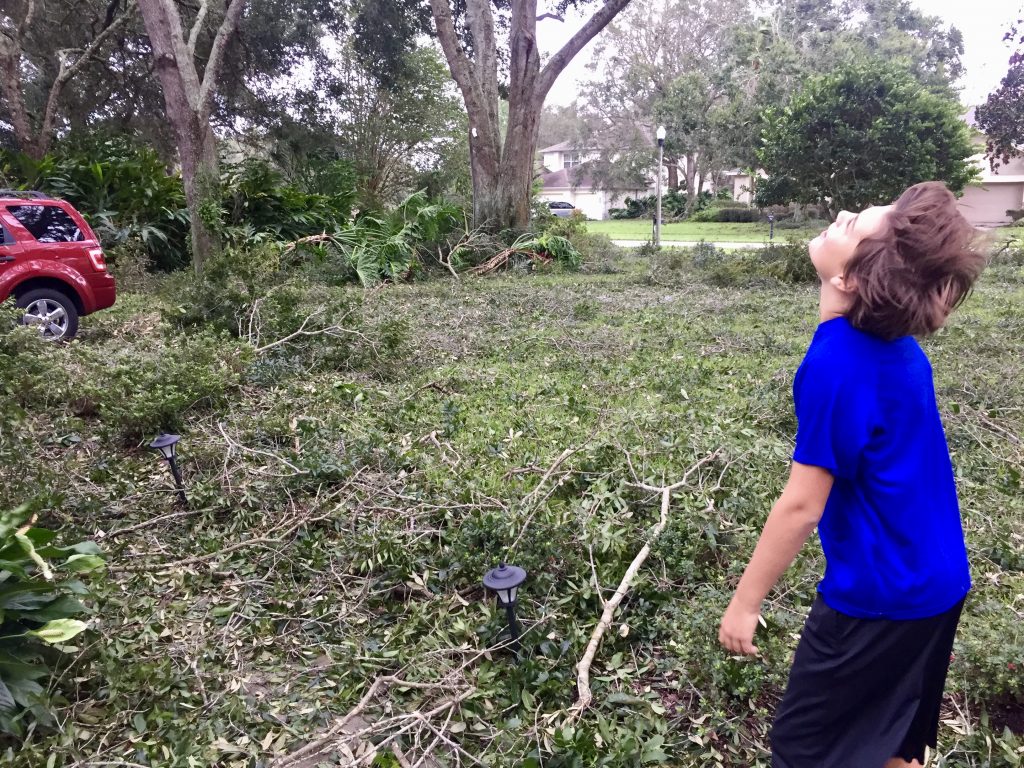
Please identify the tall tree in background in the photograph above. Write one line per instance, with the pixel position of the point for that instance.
(387, 130)
(35, 73)
(666, 63)
(503, 169)
(189, 102)
(859, 137)
(1001, 117)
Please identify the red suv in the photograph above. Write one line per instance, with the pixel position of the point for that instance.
(51, 262)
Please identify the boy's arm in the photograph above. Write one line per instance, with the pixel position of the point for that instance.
(791, 521)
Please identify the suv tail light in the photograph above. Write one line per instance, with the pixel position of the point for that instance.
(96, 257)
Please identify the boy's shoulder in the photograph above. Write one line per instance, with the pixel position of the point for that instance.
(840, 351)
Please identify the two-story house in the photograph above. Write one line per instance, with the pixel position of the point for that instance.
(565, 179)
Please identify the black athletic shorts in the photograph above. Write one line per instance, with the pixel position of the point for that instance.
(862, 691)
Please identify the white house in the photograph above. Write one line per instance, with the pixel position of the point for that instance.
(986, 202)
(565, 179)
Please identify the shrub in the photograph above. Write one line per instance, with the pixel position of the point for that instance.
(122, 189)
(259, 204)
(673, 204)
(598, 252)
(39, 596)
(789, 262)
(777, 263)
(733, 213)
(393, 245)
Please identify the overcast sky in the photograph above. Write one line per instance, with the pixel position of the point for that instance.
(983, 23)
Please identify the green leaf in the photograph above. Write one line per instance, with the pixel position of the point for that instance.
(12, 520)
(59, 630)
(83, 563)
(26, 692)
(60, 608)
(7, 702)
(30, 550)
(26, 596)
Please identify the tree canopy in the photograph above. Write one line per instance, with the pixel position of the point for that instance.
(1001, 117)
(860, 136)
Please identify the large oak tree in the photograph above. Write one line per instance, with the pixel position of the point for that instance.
(503, 167)
(189, 102)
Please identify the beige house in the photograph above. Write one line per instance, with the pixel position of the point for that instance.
(986, 202)
(565, 179)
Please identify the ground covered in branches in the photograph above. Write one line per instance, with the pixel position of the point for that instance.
(355, 463)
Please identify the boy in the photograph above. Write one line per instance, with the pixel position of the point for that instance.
(871, 470)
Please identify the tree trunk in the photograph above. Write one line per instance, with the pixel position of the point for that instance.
(691, 175)
(673, 176)
(503, 173)
(188, 101)
(200, 175)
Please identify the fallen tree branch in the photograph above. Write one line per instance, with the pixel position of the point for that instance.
(583, 667)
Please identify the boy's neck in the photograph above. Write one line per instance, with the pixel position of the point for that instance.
(832, 303)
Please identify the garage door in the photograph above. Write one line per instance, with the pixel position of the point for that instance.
(988, 204)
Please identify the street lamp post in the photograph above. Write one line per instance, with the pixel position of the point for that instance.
(505, 580)
(661, 163)
(168, 447)
(771, 225)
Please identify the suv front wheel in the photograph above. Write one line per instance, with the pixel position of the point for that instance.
(52, 312)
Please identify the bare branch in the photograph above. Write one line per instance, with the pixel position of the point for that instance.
(197, 27)
(560, 60)
(67, 71)
(458, 62)
(26, 22)
(583, 668)
(216, 59)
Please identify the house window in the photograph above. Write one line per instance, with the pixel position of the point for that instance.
(571, 159)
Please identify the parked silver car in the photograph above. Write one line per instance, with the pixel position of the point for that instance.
(561, 209)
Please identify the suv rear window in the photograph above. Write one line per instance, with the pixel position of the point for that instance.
(47, 223)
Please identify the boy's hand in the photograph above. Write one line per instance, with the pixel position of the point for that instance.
(737, 630)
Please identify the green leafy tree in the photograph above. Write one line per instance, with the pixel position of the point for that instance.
(859, 137)
(1001, 117)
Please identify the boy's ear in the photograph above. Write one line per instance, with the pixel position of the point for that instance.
(843, 285)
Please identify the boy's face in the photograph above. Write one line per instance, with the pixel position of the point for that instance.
(833, 248)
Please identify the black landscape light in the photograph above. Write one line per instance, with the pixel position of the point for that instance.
(168, 447)
(771, 224)
(505, 581)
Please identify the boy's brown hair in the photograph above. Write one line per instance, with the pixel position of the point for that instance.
(908, 279)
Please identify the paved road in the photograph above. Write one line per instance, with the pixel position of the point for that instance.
(688, 244)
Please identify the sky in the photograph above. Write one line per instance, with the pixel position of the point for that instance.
(983, 23)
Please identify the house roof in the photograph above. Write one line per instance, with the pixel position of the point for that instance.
(567, 178)
(561, 146)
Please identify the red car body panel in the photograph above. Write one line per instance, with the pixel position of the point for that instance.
(68, 263)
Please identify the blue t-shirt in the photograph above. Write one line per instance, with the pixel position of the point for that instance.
(891, 530)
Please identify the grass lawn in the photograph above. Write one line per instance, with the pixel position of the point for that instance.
(348, 491)
(640, 229)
